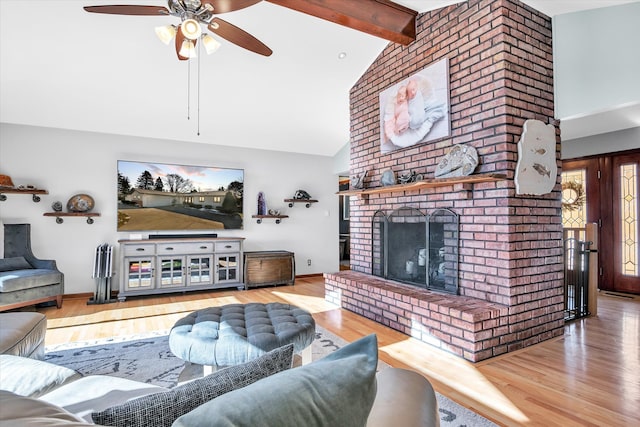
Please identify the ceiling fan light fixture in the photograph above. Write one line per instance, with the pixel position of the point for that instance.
(166, 33)
(210, 44)
(191, 29)
(188, 49)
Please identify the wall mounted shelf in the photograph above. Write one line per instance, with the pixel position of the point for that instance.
(276, 217)
(307, 202)
(427, 183)
(35, 192)
(59, 215)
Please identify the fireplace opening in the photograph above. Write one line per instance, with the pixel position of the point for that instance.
(417, 249)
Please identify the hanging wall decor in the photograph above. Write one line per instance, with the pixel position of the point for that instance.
(416, 110)
(536, 171)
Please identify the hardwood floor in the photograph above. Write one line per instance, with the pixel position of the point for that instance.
(588, 377)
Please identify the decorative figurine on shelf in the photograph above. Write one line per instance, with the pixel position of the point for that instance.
(461, 160)
(409, 177)
(302, 195)
(388, 177)
(274, 212)
(357, 182)
(262, 204)
(56, 206)
(6, 182)
(80, 203)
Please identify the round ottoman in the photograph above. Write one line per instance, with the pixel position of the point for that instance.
(237, 333)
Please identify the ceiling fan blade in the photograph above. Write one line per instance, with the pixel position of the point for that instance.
(179, 39)
(223, 6)
(129, 10)
(381, 18)
(238, 36)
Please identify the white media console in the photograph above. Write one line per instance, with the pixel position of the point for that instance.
(158, 265)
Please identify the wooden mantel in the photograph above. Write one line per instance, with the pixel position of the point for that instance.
(427, 183)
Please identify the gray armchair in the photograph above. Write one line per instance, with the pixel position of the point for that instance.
(24, 279)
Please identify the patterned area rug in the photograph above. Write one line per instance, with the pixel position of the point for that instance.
(148, 359)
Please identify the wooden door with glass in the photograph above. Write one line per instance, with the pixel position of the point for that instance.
(605, 190)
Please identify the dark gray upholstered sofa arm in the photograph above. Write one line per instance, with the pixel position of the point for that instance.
(45, 264)
(6, 264)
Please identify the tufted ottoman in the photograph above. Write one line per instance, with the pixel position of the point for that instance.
(237, 333)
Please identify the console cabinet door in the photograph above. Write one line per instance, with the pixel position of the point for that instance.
(172, 271)
(139, 274)
(200, 270)
(227, 268)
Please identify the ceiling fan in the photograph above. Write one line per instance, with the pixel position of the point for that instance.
(193, 14)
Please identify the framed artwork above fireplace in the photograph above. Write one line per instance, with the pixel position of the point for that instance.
(416, 109)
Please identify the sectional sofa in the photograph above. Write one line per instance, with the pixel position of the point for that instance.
(341, 389)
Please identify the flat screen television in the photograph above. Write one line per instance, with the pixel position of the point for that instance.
(160, 196)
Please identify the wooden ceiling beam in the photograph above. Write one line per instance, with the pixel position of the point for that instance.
(381, 18)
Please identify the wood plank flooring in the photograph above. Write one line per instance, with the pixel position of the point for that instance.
(588, 377)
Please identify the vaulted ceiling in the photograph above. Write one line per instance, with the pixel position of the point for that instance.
(65, 68)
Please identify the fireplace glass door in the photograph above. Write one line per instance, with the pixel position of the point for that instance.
(413, 248)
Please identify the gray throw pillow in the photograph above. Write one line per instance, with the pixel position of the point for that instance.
(337, 390)
(15, 263)
(161, 409)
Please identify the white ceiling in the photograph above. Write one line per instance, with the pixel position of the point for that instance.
(65, 68)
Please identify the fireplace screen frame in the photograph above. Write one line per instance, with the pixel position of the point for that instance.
(431, 261)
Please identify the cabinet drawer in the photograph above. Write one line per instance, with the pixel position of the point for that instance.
(139, 250)
(185, 248)
(227, 247)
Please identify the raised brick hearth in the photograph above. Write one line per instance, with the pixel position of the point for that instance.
(510, 254)
(468, 327)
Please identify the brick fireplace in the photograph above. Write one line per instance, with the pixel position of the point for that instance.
(509, 283)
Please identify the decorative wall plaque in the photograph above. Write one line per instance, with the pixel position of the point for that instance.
(536, 171)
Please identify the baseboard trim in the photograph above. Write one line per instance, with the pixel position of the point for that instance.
(114, 294)
(83, 295)
(308, 276)
(620, 295)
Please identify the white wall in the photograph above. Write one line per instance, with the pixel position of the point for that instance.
(342, 160)
(596, 60)
(627, 139)
(69, 162)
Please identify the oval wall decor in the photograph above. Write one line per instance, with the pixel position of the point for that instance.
(80, 203)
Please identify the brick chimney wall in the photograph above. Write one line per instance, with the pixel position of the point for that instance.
(501, 74)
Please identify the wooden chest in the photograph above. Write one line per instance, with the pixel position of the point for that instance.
(264, 268)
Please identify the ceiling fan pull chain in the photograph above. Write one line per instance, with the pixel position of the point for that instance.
(199, 56)
(189, 89)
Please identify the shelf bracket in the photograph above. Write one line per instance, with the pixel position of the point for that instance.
(35, 197)
(59, 220)
(307, 202)
(465, 190)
